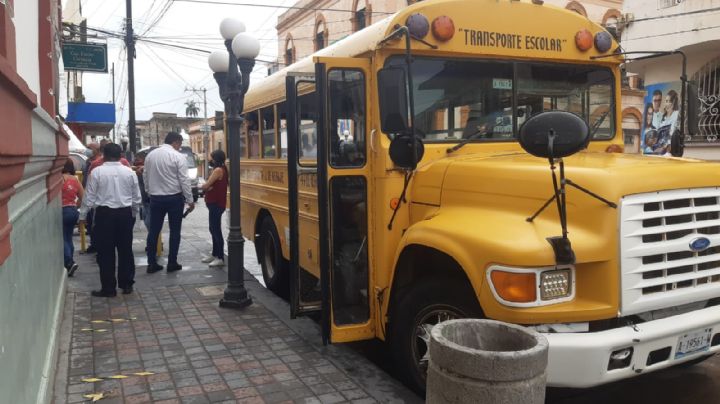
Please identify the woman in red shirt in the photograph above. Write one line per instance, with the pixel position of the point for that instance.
(72, 194)
(215, 196)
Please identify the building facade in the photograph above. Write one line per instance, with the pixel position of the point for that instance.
(33, 149)
(691, 27)
(152, 131)
(203, 143)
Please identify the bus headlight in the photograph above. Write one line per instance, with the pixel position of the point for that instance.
(555, 284)
(530, 287)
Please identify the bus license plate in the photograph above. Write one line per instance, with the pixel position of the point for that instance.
(693, 342)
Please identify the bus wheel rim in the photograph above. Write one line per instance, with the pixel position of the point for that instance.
(421, 334)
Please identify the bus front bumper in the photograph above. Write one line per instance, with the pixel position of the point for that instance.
(582, 360)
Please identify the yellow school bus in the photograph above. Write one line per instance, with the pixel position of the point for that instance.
(384, 186)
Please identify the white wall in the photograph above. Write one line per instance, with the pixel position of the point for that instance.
(671, 32)
(26, 40)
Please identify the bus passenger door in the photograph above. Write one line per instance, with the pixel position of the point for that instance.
(303, 233)
(343, 175)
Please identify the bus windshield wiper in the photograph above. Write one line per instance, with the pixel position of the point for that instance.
(599, 122)
(472, 137)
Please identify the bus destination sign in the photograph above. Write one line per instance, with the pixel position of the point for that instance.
(512, 41)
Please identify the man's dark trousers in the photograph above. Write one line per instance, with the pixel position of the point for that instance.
(160, 205)
(114, 230)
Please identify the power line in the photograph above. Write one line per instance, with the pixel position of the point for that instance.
(670, 33)
(660, 17)
(279, 7)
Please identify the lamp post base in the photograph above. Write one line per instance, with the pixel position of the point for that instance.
(235, 298)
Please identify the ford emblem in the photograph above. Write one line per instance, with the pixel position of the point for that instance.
(699, 244)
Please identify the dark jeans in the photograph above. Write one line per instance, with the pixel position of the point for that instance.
(114, 231)
(215, 213)
(172, 206)
(70, 218)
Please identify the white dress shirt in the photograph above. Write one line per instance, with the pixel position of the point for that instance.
(166, 173)
(112, 185)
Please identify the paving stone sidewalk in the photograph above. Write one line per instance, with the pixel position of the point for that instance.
(169, 342)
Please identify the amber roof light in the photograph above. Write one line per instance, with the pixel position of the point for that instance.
(443, 28)
(584, 40)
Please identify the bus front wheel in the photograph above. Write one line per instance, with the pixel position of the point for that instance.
(413, 317)
(274, 267)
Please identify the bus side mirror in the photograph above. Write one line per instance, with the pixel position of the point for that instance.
(554, 134)
(693, 108)
(392, 92)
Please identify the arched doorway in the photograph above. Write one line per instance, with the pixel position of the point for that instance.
(631, 119)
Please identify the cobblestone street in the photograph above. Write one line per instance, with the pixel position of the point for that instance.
(170, 342)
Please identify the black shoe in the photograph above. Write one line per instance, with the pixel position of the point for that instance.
(151, 269)
(174, 267)
(127, 290)
(104, 293)
(72, 270)
(90, 250)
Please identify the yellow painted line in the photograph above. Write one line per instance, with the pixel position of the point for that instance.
(118, 377)
(144, 373)
(94, 397)
(92, 380)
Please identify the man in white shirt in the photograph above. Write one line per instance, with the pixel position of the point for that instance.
(168, 185)
(113, 192)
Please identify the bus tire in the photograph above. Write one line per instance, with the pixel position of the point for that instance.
(413, 316)
(274, 266)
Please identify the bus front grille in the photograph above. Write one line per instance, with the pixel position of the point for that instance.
(669, 248)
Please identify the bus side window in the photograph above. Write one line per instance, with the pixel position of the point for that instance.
(251, 118)
(347, 118)
(268, 131)
(282, 128)
(307, 117)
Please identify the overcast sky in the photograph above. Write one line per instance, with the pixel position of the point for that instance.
(162, 74)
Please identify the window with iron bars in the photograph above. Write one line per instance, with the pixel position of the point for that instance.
(708, 83)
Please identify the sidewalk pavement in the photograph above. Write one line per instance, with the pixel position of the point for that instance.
(169, 341)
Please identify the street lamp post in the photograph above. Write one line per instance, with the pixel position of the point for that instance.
(233, 84)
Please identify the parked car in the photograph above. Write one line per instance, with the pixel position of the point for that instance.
(201, 182)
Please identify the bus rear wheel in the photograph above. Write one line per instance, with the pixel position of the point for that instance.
(413, 317)
(274, 266)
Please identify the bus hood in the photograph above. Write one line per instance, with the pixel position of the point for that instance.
(517, 180)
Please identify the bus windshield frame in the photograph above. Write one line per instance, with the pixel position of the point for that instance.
(489, 99)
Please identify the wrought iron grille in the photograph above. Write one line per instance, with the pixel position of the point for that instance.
(668, 3)
(708, 82)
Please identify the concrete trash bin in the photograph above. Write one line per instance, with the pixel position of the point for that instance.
(486, 361)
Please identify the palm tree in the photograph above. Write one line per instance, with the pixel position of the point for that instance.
(191, 109)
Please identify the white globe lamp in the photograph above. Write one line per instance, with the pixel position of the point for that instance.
(229, 27)
(219, 61)
(245, 46)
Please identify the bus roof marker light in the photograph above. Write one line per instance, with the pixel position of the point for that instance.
(443, 28)
(603, 41)
(418, 25)
(583, 40)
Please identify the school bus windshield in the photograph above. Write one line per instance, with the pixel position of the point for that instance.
(458, 99)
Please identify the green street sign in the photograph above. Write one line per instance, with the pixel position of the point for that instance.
(89, 57)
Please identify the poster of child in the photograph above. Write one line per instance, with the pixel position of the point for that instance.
(660, 120)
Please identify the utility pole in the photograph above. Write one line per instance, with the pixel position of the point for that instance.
(114, 136)
(206, 127)
(130, 45)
